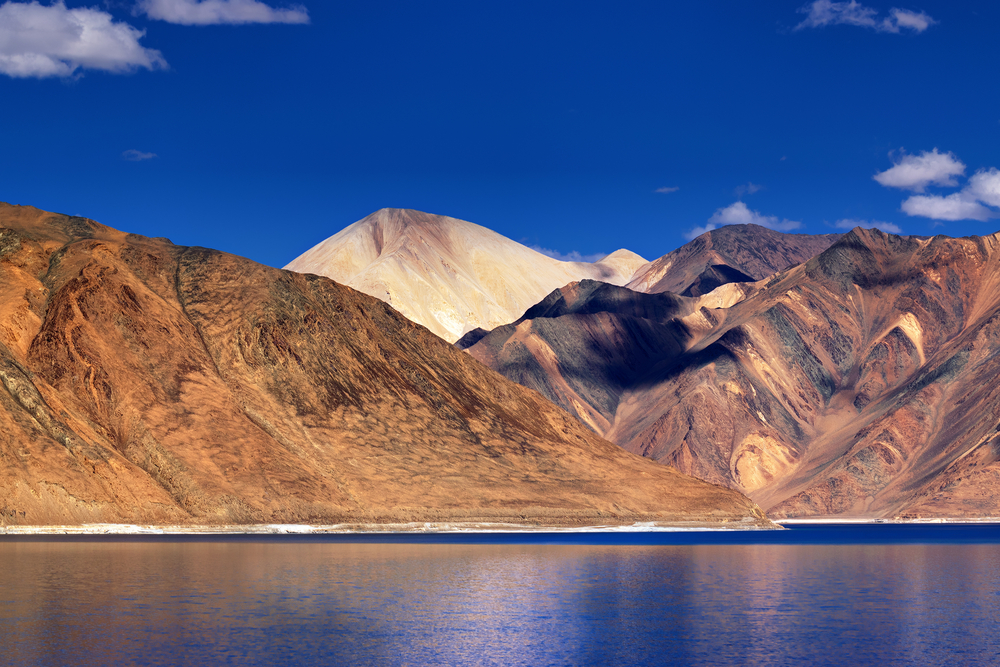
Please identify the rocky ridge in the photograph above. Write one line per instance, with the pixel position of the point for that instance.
(729, 254)
(860, 383)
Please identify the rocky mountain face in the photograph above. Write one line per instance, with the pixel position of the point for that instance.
(150, 383)
(860, 383)
(729, 254)
(450, 275)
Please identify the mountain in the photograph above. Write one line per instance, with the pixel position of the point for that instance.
(145, 382)
(860, 383)
(586, 344)
(450, 275)
(732, 253)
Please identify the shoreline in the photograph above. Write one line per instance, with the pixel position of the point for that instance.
(433, 528)
(457, 528)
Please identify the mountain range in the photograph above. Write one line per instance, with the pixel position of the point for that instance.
(815, 376)
(861, 382)
(146, 382)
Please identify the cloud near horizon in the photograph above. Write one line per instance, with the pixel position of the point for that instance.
(972, 202)
(849, 223)
(985, 186)
(738, 213)
(41, 41)
(571, 256)
(821, 13)
(957, 206)
(218, 12)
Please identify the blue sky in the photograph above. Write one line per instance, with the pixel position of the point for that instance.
(262, 128)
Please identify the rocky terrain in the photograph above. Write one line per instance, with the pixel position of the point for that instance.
(729, 254)
(450, 275)
(860, 383)
(149, 383)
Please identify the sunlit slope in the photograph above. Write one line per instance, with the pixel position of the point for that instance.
(450, 275)
(150, 383)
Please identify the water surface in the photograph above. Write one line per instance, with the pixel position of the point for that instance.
(815, 599)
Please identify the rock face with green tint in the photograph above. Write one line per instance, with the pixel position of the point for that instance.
(862, 382)
(150, 383)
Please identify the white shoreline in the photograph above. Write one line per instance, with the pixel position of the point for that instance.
(438, 528)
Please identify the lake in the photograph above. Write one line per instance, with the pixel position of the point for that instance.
(826, 595)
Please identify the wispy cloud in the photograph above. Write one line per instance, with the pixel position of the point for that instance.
(571, 256)
(822, 13)
(666, 191)
(738, 213)
(748, 189)
(850, 223)
(40, 41)
(133, 155)
(916, 172)
(215, 12)
(976, 201)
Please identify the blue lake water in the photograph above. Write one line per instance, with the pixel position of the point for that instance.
(883, 595)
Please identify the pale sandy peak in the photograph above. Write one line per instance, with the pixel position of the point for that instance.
(624, 261)
(449, 275)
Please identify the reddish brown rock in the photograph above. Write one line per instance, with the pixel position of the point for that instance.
(146, 382)
(861, 383)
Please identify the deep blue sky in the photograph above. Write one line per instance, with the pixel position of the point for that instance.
(551, 123)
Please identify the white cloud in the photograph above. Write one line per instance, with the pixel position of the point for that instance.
(748, 189)
(957, 206)
(666, 190)
(214, 12)
(133, 155)
(849, 223)
(822, 13)
(571, 256)
(985, 186)
(739, 214)
(39, 41)
(916, 172)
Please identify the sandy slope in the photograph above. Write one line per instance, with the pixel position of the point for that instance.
(450, 275)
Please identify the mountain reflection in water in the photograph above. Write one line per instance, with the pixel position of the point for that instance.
(273, 601)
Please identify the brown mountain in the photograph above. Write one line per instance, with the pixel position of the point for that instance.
(146, 382)
(449, 275)
(861, 383)
(729, 254)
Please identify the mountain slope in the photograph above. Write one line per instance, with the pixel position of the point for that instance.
(861, 383)
(150, 383)
(732, 253)
(450, 275)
